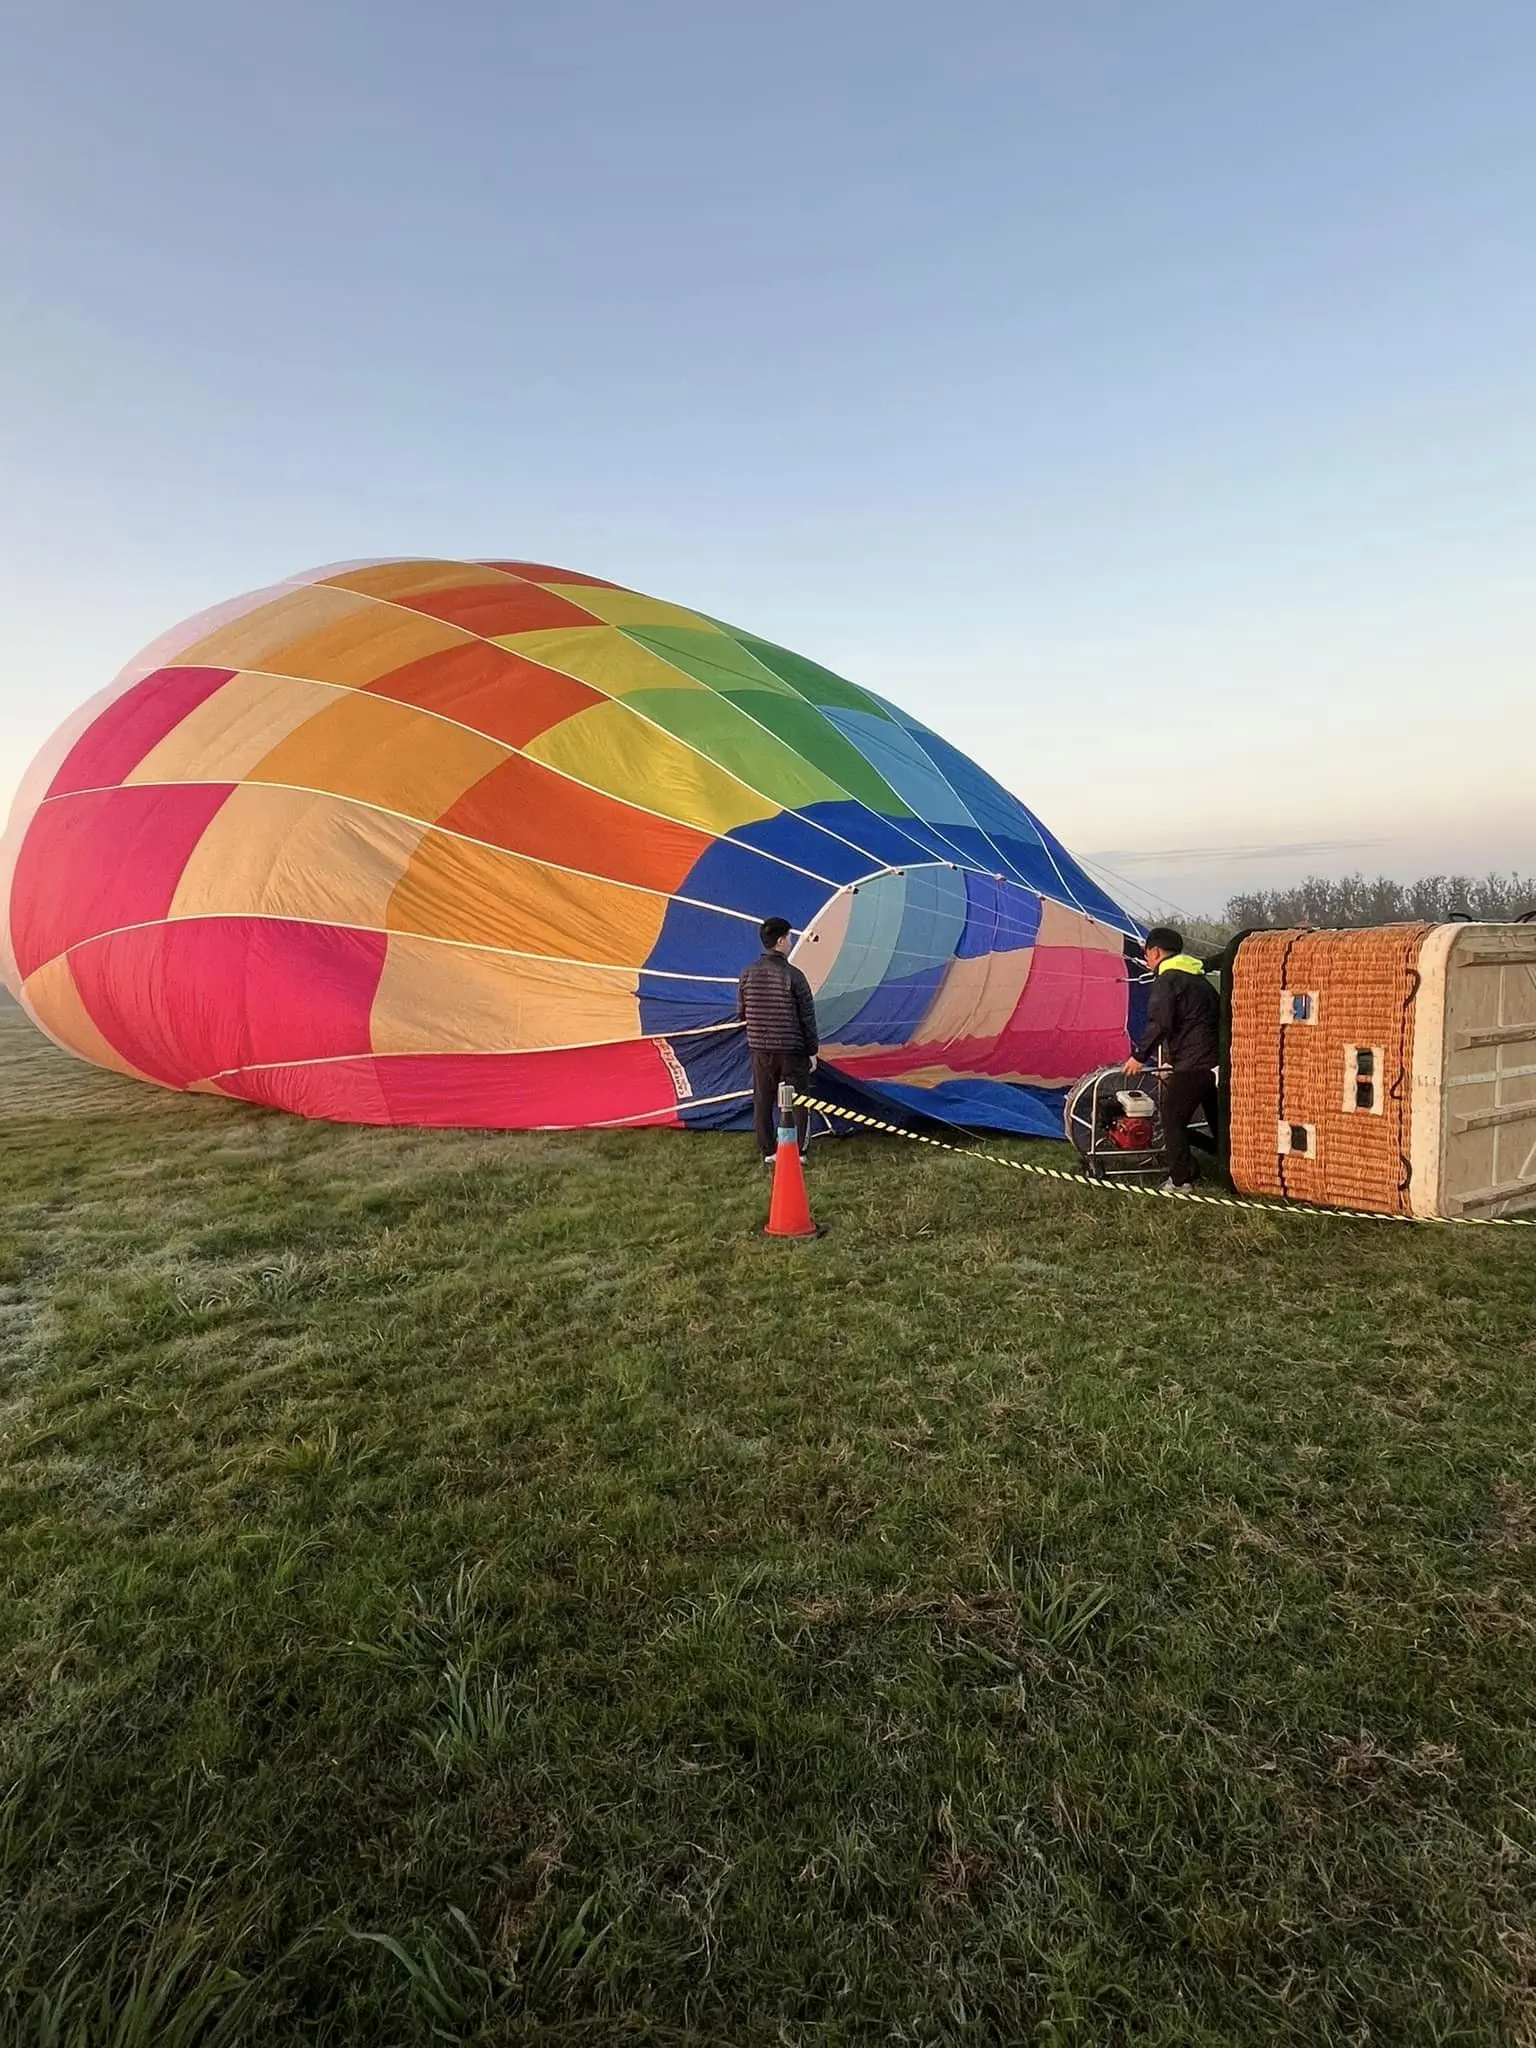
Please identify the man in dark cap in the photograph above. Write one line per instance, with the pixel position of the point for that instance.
(775, 1003)
(1184, 1017)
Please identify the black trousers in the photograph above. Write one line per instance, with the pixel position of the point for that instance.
(1186, 1092)
(768, 1070)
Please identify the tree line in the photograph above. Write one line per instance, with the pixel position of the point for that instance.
(1354, 900)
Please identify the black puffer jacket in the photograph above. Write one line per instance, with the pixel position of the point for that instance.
(775, 1003)
(1183, 1016)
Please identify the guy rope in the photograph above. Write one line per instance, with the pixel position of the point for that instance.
(1128, 1187)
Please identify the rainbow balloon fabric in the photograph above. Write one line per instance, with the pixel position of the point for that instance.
(487, 844)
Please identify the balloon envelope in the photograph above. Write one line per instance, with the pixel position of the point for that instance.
(487, 844)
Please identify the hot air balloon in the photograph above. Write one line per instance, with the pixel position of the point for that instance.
(487, 844)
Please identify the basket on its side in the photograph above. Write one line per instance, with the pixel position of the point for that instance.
(1391, 1069)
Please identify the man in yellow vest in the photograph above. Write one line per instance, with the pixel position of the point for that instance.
(1184, 1017)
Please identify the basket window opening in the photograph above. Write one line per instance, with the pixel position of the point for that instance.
(1362, 1079)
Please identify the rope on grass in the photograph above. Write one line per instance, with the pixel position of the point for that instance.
(1130, 1187)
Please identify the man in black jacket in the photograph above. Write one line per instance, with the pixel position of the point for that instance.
(775, 1003)
(1184, 1017)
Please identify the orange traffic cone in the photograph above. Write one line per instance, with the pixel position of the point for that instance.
(789, 1212)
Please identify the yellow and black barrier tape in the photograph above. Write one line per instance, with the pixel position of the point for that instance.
(1120, 1186)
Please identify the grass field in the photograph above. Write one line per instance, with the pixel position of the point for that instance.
(474, 1589)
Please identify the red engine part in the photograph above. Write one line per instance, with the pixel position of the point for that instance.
(1131, 1133)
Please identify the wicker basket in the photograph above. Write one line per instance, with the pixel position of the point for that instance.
(1391, 1069)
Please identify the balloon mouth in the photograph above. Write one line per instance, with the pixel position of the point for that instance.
(934, 972)
(878, 951)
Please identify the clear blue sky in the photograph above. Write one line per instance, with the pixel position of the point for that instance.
(1144, 394)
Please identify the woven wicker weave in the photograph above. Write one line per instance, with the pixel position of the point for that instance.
(1284, 1074)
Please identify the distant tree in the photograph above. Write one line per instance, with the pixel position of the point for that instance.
(1205, 937)
(1352, 901)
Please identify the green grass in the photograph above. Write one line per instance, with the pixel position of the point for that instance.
(467, 1588)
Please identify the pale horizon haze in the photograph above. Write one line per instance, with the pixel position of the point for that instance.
(1145, 397)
